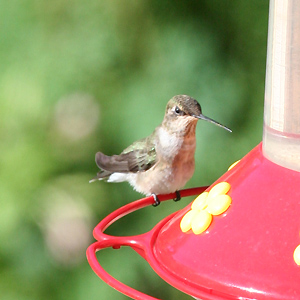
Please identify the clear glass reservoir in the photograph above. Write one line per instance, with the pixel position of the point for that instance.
(281, 136)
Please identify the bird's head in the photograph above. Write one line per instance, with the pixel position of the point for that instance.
(183, 109)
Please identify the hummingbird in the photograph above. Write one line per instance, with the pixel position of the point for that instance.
(163, 162)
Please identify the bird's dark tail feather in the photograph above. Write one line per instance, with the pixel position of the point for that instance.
(114, 163)
(102, 175)
(110, 164)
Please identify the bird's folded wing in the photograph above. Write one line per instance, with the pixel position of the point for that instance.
(131, 161)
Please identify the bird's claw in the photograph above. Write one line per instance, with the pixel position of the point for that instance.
(178, 196)
(156, 200)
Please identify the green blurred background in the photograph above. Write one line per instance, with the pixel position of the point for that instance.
(77, 77)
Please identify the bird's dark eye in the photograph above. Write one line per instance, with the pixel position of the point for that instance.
(178, 110)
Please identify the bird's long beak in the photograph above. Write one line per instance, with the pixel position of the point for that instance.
(202, 117)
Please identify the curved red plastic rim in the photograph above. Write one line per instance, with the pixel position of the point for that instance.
(142, 244)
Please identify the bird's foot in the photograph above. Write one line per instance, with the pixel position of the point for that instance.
(178, 196)
(156, 200)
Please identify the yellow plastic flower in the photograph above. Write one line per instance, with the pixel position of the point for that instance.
(233, 165)
(204, 207)
(297, 255)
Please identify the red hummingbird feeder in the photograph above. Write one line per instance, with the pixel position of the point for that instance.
(249, 248)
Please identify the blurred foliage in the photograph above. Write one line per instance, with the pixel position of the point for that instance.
(77, 77)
